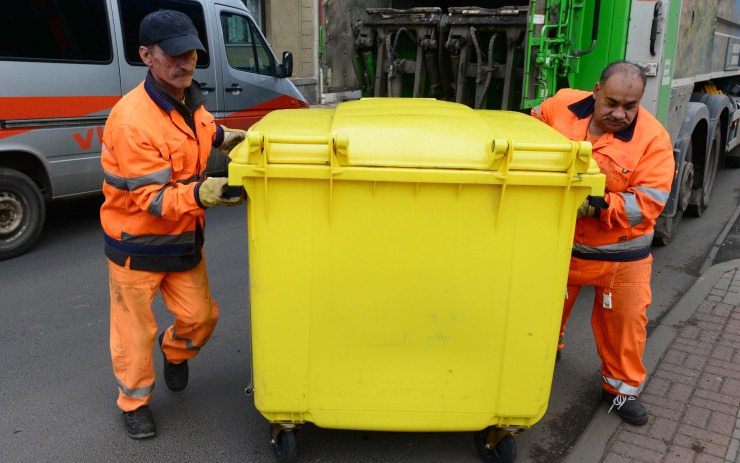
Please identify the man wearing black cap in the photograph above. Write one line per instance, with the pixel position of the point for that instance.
(156, 144)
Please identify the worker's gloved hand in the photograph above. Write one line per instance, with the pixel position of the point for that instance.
(213, 191)
(585, 209)
(232, 137)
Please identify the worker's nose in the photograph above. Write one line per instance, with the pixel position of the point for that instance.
(619, 114)
(187, 61)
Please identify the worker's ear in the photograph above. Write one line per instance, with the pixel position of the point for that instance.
(146, 57)
(596, 89)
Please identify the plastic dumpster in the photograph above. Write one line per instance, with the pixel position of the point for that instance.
(408, 262)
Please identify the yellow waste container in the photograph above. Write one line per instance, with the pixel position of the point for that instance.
(408, 262)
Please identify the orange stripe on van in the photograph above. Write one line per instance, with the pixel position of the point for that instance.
(261, 109)
(50, 107)
(7, 133)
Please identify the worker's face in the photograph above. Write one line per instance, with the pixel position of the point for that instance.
(617, 102)
(174, 73)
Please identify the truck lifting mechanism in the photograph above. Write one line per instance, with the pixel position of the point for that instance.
(513, 54)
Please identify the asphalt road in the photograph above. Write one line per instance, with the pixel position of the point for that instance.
(57, 392)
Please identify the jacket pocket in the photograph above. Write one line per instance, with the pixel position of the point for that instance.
(617, 166)
(175, 151)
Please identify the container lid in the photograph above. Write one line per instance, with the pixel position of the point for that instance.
(412, 133)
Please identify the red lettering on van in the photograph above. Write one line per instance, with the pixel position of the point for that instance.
(87, 141)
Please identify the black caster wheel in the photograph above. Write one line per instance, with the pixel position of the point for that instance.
(503, 452)
(283, 445)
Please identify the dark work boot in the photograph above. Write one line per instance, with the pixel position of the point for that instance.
(140, 423)
(628, 407)
(175, 374)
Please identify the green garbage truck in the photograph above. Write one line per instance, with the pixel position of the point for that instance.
(513, 54)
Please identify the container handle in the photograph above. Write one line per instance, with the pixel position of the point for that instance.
(253, 145)
(503, 154)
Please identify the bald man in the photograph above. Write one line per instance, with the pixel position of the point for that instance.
(614, 233)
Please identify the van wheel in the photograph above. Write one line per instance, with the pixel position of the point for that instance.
(22, 213)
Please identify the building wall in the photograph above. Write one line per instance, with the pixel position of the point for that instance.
(292, 25)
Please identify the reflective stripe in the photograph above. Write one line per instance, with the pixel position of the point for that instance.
(155, 206)
(635, 244)
(116, 182)
(184, 249)
(536, 110)
(188, 342)
(634, 214)
(622, 387)
(136, 393)
(131, 184)
(158, 240)
(655, 194)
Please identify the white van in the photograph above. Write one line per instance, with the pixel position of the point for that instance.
(65, 63)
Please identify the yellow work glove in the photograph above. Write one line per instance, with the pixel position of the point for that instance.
(585, 209)
(212, 192)
(232, 137)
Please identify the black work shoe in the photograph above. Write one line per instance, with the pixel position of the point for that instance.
(140, 423)
(175, 374)
(628, 407)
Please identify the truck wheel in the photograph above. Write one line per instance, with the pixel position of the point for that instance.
(22, 213)
(704, 177)
(667, 231)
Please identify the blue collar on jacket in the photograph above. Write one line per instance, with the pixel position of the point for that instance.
(585, 108)
(194, 98)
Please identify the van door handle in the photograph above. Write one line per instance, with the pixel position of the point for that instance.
(205, 88)
(235, 89)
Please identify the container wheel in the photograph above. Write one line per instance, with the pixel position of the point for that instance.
(503, 452)
(283, 444)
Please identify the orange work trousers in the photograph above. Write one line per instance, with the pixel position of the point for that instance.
(133, 327)
(618, 317)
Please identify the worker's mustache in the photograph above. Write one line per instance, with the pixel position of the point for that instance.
(176, 74)
(613, 119)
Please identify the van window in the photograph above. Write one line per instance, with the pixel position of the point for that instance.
(246, 50)
(133, 11)
(69, 30)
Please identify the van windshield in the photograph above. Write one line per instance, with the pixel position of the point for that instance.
(246, 50)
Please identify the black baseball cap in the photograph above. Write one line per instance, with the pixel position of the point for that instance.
(173, 31)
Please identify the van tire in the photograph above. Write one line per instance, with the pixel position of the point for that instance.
(22, 213)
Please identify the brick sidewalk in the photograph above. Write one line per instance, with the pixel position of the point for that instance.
(693, 396)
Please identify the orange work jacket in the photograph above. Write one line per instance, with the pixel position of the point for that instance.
(153, 165)
(639, 167)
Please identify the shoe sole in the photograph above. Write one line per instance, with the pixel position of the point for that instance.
(628, 420)
(638, 422)
(144, 435)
